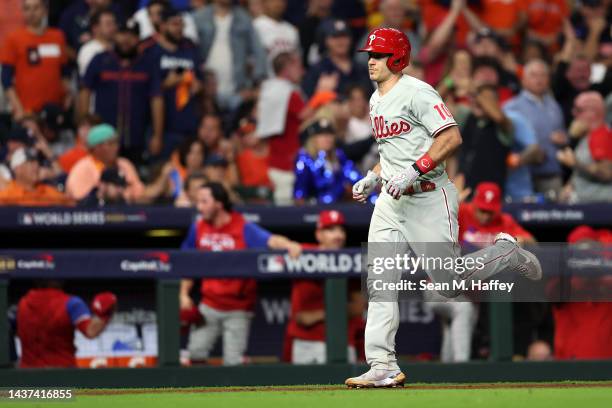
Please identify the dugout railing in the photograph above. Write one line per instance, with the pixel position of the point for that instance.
(556, 220)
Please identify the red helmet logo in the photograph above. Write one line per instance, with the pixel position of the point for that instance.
(390, 41)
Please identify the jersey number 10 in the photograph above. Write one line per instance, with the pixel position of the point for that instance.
(443, 111)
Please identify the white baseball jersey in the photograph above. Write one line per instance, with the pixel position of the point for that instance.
(405, 121)
(276, 36)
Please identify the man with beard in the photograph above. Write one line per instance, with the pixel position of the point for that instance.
(121, 80)
(178, 68)
(227, 304)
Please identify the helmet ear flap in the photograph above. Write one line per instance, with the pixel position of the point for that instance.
(396, 62)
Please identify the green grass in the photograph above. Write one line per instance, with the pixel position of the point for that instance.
(588, 397)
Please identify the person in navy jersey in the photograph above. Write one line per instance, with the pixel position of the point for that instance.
(46, 319)
(226, 304)
(180, 73)
(123, 81)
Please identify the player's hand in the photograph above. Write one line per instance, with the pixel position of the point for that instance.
(103, 304)
(294, 249)
(401, 181)
(364, 187)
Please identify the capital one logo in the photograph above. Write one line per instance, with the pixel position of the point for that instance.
(372, 38)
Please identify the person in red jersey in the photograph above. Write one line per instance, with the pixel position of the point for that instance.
(479, 222)
(482, 219)
(583, 330)
(46, 319)
(34, 63)
(227, 304)
(306, 328)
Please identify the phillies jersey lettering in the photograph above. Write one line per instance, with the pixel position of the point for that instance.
(405, 121)
(381, 128)
(217, 242)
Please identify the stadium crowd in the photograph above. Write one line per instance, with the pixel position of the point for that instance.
(138, 102)
(266, 101)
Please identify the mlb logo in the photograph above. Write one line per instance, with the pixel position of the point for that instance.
(271, 263)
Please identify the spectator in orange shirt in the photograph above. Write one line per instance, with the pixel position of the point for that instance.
(76, 153)
(34, 63)
(545, 20)
(25, 188)
(252, 162)
(505, 17)
(103, 145)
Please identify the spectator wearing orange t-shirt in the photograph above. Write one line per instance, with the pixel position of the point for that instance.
(25, 188)
(545, 20)
(252, 162)
(505, 17)
(103, 145)
(33, 63)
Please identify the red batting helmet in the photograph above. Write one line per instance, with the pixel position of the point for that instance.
(390, 41)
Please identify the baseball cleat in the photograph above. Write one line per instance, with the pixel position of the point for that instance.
(528, 264)
(377, 379)
(502, 236)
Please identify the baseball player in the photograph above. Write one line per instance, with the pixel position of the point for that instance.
(47, 318)
(306, 328)
(415, 133)
(227, 304)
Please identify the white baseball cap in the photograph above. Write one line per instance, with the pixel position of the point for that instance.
(21, 156)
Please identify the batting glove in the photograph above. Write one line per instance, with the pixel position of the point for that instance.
(401, 181)
(103, 304)
(364, 187)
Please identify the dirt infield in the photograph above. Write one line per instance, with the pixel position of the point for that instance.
(607, 384)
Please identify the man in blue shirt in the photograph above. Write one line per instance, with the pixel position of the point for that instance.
(179, 69)
(122, 82)
(524, 151)
(537, 105)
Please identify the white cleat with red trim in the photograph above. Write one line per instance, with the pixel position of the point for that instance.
(377, 379)
(528, 264)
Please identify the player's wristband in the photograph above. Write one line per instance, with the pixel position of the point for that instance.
(424, 164)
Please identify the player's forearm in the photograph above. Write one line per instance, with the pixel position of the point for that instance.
(309, 318)
(377, 169)
(95, 327)
(279, 242)
(445, 144)
(186, 286)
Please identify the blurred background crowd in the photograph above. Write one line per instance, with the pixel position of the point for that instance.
(139, 102)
